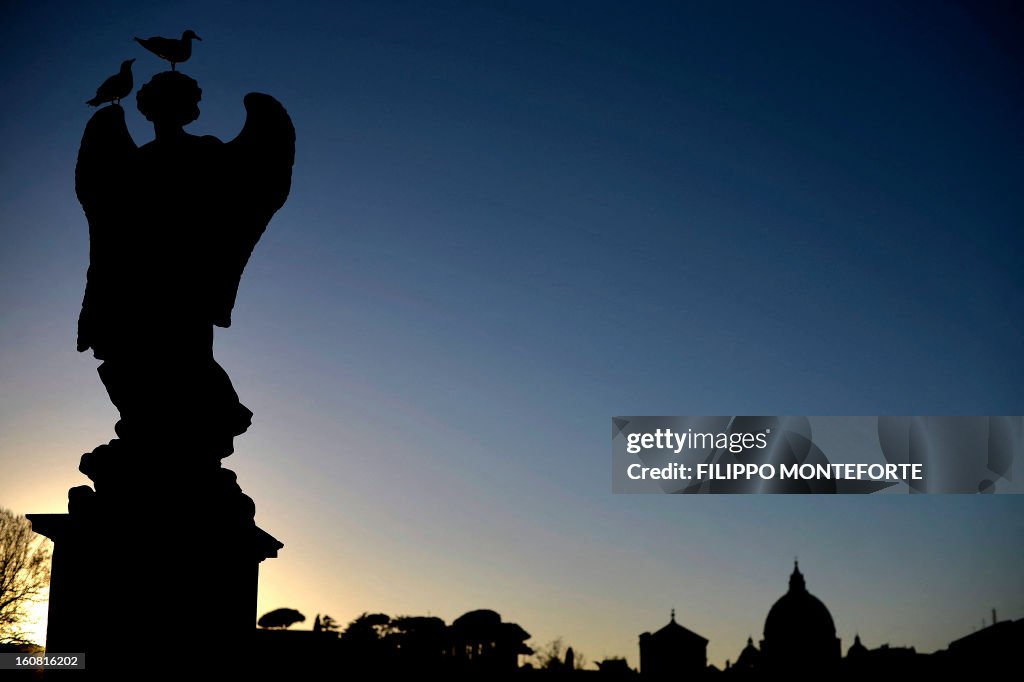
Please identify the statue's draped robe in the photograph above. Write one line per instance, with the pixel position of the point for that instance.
(172, 225)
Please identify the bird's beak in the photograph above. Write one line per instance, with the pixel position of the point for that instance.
(198, 38)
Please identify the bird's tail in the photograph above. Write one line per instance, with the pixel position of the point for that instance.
(94, 102)
(138, 40)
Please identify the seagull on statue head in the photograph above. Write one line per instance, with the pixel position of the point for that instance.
(173, 50)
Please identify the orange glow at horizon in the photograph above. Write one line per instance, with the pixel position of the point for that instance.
(35, 627)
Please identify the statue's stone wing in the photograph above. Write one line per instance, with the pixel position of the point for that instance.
(104, 161)
(258, 172)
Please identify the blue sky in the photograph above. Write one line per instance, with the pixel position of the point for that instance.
(512, 221)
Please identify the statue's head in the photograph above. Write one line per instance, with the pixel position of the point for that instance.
(170, 99)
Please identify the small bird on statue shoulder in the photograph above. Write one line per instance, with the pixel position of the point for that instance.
(115, 87)
(173, 50)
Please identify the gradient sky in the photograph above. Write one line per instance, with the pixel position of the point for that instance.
(510, 222)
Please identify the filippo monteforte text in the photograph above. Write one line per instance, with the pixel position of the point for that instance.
(734, 471)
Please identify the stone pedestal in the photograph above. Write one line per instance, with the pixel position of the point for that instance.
(145, 595)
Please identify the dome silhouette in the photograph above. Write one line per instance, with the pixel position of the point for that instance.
(799, 631)
(798, 612)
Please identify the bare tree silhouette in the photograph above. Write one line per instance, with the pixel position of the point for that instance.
(24, 574)
(554, 656)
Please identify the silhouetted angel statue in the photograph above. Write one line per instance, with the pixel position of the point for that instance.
(172, 225)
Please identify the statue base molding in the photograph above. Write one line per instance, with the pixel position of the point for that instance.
(135, 592)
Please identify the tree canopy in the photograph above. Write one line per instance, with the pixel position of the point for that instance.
(280, 618)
